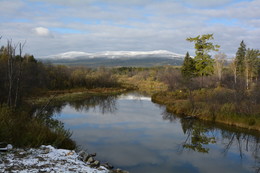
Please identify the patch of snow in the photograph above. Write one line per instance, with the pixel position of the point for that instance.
(116, 55)
(45, 159)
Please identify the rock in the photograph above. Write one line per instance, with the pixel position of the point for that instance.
(95, 164)
(108, 166)
(85, 157)
(81, 153)
(90, 160)
(46, 151)
(70, 153)
(118, 171)
(121, 171)
(93, 155)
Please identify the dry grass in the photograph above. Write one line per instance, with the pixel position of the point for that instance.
(202, 108)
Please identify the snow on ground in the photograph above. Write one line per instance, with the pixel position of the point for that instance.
(44, 159)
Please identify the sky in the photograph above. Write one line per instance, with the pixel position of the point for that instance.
(56, 26)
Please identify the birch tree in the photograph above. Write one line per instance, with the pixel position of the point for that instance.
(220, 60)
(251, 66)
(233, 67)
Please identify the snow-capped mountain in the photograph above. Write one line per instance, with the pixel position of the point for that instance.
(117, 58)
(115, 55)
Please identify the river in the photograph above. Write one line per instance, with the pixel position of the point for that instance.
(134, 134)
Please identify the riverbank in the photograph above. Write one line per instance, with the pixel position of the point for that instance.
(50, 159)
(74, 94)
(180, 103)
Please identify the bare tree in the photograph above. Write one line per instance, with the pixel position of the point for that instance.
(10, 69)
(220, 60)
(19, 74)
(233, 67)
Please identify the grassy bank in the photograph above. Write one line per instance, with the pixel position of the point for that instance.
(74, 95)
(147, 85)
(211, 105)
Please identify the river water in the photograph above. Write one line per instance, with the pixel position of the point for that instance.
(134, 134)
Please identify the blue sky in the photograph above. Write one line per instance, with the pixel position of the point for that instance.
(56, 26)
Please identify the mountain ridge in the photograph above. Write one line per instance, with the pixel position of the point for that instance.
(114, 54)
(117, 58)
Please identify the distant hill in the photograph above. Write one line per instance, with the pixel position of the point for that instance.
(117, 58)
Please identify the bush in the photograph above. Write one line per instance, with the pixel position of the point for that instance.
(228, 108)
(23, 130)
(181, 107)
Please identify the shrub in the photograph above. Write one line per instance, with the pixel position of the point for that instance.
(228, 108)
(23, 130)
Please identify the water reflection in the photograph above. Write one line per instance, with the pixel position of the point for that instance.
(134, 134)
(197, 136)
(200, 134)
(105, 104)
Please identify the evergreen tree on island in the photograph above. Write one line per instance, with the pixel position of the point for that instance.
(204, 64)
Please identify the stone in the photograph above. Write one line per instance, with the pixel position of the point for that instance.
(70, 153)
(93, 155)
(46, 151)
(81, 153)
(90, 160)
(85, 157)
(119, 171)
(108, 166)
(95, 164)
(9, 147)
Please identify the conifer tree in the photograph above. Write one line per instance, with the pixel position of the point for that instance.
(240, 59)
(203, 61)
(188, 69)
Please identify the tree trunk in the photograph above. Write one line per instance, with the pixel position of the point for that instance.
(247, 77)
(19, 76)
(235, 77)
(10, 73)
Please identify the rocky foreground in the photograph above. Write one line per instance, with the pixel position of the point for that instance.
(49, 159)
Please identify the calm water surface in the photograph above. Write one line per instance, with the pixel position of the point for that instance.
(134, 134)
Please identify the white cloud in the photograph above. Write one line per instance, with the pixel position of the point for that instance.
(41, 31)
(138, 25)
